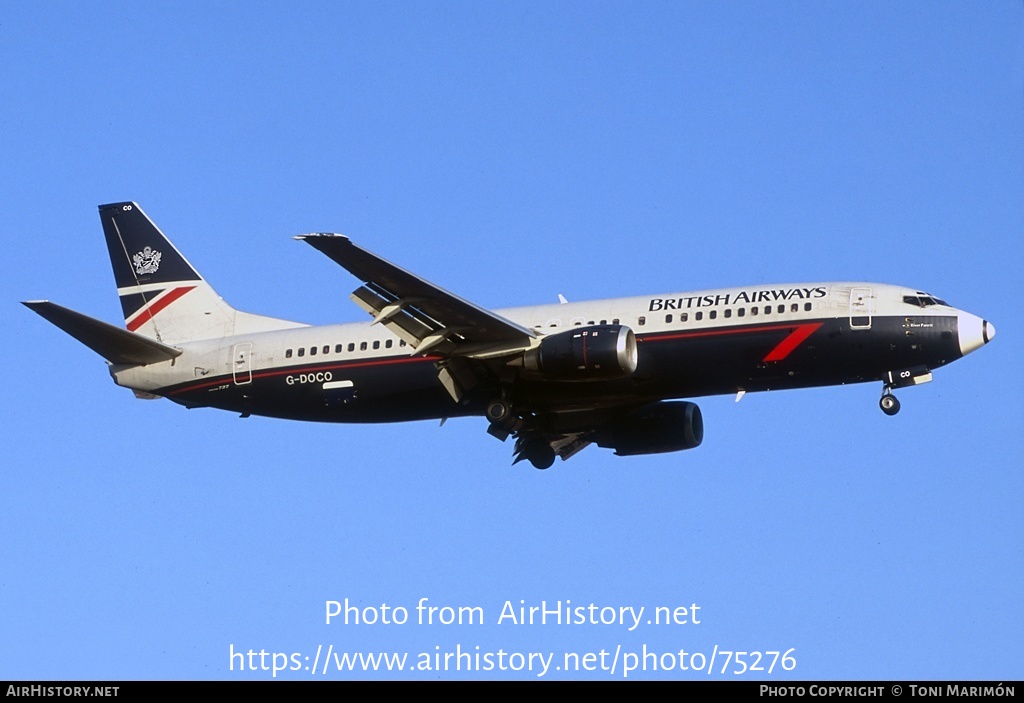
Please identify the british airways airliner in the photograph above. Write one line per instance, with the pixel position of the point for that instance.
(556, 378)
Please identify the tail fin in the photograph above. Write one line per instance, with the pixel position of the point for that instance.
(162, 295)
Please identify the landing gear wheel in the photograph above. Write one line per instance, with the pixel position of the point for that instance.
(539, 453)
(499, 412)
(889, 404)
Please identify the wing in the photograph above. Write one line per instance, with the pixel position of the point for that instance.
(427, 317)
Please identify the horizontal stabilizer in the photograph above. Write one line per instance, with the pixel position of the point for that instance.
(116, 345)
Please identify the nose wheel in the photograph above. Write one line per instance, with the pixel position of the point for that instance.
(889, 404)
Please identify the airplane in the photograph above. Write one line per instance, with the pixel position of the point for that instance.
(556, 377)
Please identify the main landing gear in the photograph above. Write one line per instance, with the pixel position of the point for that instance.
(504, 420)
(889, 404)
(530, 445)
(499, 412)
(535, 450)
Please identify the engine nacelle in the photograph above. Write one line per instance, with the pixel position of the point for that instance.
(654, 429)
(595, 353)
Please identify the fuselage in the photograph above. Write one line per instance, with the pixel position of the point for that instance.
(691, 344)
(616, 373)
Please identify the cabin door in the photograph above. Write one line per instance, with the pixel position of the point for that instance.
(241, 363)
(860, 309)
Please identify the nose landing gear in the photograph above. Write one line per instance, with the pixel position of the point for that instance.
(889, 404)
(913, 376)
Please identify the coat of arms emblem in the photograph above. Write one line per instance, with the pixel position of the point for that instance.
(146, 261)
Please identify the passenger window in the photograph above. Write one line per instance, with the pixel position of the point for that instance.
(388, 343)
(338, 348)
(362, 346)
(615, 321)
(302, 351)
(807, 307)
(604, 322)
(351, 346)
(312, 351)
(795, 307)
(288, 354)
(401, 343)
(713, 315)
(741, 312)
(782, 308)
(728, 312)
(767, 309)
(668, 318)
(754, 310)
(642, 321)
(699, 316)
(683, 317)
(376, 344)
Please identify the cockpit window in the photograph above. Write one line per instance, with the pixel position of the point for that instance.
(923, 300)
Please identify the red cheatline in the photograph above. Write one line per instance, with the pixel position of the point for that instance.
(798, 333)
(334, 366)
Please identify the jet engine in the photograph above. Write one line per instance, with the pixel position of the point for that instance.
(654, 429)
(595, 353)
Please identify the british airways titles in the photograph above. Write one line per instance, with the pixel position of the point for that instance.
(752, 296)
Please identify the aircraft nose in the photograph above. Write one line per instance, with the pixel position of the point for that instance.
(973, 332)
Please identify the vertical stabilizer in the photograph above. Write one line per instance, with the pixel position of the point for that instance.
(162, 295)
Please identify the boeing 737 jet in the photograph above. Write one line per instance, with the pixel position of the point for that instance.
(556, 378)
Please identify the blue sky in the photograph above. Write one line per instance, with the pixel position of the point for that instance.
(511, 152)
